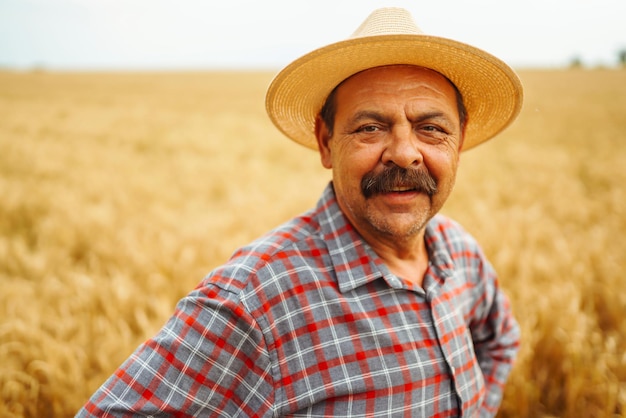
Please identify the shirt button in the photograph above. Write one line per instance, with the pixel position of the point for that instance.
(452, 370)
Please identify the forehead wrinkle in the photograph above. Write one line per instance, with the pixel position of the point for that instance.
(370, 114)
(433, 115)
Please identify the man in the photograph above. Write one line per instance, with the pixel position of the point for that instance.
(371, 304)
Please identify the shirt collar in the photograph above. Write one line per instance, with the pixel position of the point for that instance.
(354, 261)
(440, 259)
(438, 247)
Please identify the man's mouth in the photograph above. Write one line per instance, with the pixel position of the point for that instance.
(402, 189)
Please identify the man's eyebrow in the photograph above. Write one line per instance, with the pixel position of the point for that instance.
(435, 115)
(369, 114)
(430, 115)
(372, 114)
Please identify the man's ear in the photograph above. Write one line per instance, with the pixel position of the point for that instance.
(323, 137)
(463, 130)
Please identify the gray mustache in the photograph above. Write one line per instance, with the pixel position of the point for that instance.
(394, 176)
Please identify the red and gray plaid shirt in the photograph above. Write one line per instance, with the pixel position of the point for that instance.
(309, 321)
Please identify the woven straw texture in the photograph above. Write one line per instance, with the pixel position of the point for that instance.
(491, 90)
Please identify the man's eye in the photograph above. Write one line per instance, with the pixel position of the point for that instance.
(368, 128)
(432, 128)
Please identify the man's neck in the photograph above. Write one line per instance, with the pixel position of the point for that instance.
(407, 259)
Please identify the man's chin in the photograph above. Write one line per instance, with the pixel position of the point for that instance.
(399, 225)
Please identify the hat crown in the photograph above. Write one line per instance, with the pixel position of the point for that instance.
(387, 21)
(491, 91)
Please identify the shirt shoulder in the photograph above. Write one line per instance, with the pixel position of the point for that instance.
(318, 247)
(301, 235)
(443, 231)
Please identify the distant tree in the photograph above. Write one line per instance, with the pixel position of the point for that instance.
(576, 62)
(622, 57)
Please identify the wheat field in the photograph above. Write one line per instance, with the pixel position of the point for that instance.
(120, 191)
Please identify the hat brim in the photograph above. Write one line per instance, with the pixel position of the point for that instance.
(492, 92)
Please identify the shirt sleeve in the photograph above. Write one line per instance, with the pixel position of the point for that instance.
(210, 359)
(496, 337)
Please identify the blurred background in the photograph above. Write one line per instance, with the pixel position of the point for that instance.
(136, 155)
(198, 34)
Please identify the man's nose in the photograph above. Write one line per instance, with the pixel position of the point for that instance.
(403, 148)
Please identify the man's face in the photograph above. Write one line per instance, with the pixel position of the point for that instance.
(389, 119)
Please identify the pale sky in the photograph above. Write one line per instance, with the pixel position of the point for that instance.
(268, 34)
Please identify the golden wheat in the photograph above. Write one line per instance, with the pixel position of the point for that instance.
(120, 191)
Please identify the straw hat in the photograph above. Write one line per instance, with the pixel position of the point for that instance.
(491, 90)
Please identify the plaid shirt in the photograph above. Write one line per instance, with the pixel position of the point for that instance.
(309, 321)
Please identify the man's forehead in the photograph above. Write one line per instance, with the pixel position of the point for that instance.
(394, 80)
(382, 69)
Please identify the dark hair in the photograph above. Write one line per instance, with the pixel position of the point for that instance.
(329, 109)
